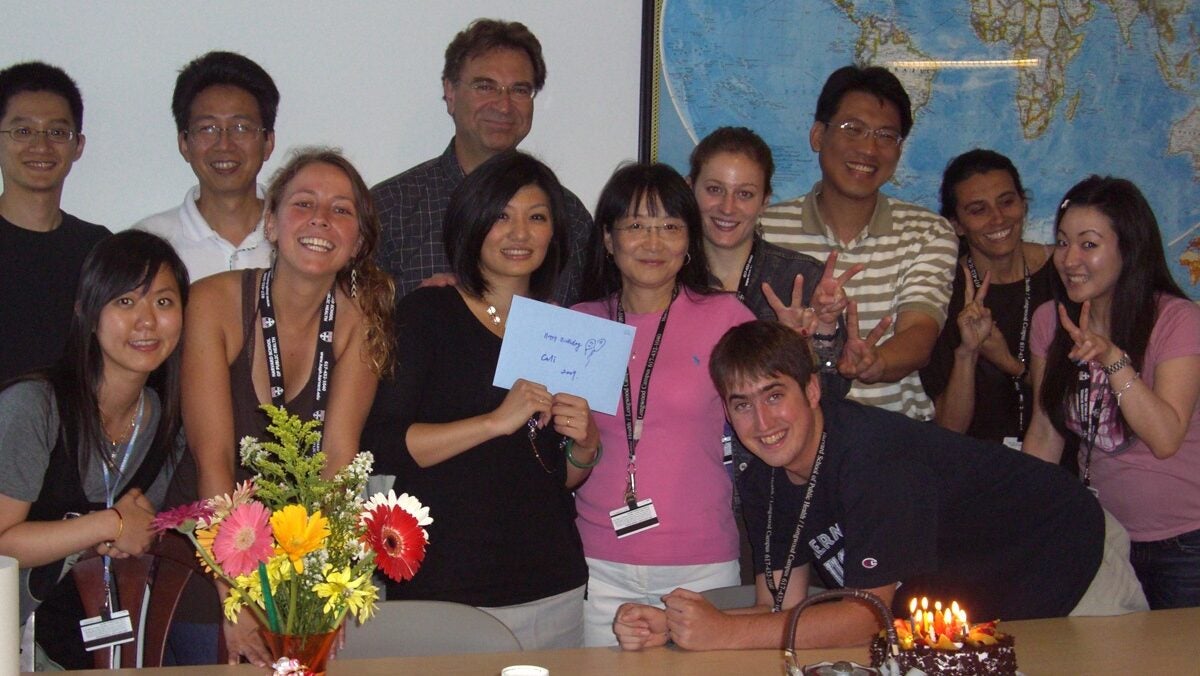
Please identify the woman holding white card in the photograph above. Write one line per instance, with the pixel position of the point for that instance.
(495, 467)
(655, 514)
(87, 447)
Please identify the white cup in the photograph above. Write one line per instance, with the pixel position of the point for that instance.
(524, 670)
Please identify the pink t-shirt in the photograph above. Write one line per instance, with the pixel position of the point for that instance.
(679, 462)
(1154, 499)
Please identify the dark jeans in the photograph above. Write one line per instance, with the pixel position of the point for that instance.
(1169, 570)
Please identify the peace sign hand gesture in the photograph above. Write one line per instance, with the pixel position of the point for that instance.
(974, 321)
(1089, 346)
(797, 317)
(860, 358)
(829, 298)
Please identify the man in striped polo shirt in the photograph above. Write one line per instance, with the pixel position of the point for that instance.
(907, 252)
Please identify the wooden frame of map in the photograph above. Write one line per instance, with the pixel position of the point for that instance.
(1107, 88)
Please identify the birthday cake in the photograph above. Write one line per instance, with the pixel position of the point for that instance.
(947, 644)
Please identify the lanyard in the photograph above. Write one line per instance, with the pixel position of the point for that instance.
(748, 270)
(786, 574)
(1089, 419)
(1022, 342)
(266, 309)
(110, 487)
(633, 427)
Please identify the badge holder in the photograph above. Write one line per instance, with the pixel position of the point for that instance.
(636, 515)
(110, 628)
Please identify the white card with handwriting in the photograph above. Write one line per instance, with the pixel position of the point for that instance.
(565, 350)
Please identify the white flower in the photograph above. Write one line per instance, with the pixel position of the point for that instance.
(405, 502)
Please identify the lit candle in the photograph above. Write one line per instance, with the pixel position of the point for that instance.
(939, 621)
(912, 613)
(948, 623)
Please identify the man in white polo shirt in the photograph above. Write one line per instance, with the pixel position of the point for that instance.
(224, 107)
(907, 252)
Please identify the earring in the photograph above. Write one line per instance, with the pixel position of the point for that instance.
(687, 258)
(353, 282)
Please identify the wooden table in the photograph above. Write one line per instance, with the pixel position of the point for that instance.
(1158, 642)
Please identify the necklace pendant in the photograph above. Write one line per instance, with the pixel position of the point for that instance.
(494, 314)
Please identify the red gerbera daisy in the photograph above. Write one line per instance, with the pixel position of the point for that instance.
(180, 516)
(394, 532)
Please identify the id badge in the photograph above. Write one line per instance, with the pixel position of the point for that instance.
(106, 630)
(1013, 443)
(628, 520)
(727, 449)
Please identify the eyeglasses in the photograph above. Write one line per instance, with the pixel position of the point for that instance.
(25, 135)
(638, 230)
(490, 89)
(889, 138)
(210, 133)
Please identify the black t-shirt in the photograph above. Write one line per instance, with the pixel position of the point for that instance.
(38, 275)
(996, 401)
(503, 528)
(1005, 534)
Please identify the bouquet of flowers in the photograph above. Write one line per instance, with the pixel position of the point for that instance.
(296, 549)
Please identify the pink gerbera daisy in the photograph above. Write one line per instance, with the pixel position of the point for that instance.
(244, 539)
(183, 517)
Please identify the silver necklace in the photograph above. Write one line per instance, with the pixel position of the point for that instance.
(494, 314)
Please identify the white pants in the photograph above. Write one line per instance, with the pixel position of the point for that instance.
(553, 622)
(610, 584)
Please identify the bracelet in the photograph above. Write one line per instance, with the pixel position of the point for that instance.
(825, 337)
(584, 465)
(1119, 364)
(120, 524)
(1126, 386)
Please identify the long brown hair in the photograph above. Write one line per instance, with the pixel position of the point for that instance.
(361, 279)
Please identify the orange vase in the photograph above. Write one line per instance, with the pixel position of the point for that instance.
(311, 650)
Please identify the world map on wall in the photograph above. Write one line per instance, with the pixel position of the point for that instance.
(1066, 89)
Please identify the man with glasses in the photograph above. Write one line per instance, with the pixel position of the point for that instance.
(863, 115)
(41, 247)
(493, 72)
(224, 106)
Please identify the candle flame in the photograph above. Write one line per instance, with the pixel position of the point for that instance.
(924, 603)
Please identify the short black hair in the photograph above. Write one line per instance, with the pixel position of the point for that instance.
(477, 204)
(759, 349)
(875, 80)
(224, 68)
(968, 164)
(35, 76)
(733, 140)
(652, 184)
(485, 35)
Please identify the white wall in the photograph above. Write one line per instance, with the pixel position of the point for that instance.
(362, 75)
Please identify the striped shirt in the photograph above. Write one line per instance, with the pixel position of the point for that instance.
(908, 254)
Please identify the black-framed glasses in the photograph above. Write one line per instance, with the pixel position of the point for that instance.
(210, 133)
(490, 89)
(857, 130)
(26, 135)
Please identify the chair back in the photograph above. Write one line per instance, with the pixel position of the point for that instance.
(149, 587)
(414, 628)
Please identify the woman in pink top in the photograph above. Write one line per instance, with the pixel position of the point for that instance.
(655, 513)
(1117, 364)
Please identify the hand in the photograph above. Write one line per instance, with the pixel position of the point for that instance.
(524, 401)
(136, 512)
(974, 321)
(573, 419)
(1088, 346)
(829, 298)
(243, 640)
(802, 320)
(860, 358)
(439, 279)
(639, 626)
(693, 622)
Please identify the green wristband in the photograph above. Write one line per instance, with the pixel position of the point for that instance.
(582, 465)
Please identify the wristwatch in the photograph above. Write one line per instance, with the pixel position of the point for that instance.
(1119, 364)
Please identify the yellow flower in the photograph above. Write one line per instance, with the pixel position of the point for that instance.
(205, 537)
(297, 534)
(340, 586)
